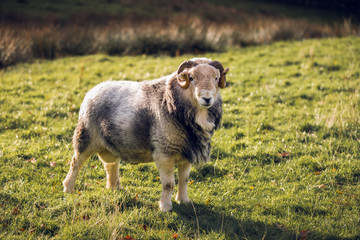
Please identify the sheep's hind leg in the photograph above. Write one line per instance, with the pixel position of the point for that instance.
(83, 151)
(111, 165)
(183, 173)
(166, 171)
(76, 163)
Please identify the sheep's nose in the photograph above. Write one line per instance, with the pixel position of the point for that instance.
(207, 100)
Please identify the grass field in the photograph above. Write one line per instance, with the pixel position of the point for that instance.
(285, 163)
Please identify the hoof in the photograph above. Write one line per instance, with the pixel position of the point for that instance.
(117, 187)
(165, 207)
(183, 199)
(67, 190)
(67, 187)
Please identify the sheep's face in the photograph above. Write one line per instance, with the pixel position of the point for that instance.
(204, 84)
(202, 80)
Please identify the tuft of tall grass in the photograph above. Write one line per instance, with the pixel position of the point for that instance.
(14, 46)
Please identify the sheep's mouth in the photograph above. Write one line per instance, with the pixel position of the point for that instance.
(205, 106)
(205, 102)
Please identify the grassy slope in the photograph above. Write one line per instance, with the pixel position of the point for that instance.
(300, 98)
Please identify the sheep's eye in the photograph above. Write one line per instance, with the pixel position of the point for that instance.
(216, 78)
(191, 78)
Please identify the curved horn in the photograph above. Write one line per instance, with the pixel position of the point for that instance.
(183, 77)
(222, 82)
(218, 65)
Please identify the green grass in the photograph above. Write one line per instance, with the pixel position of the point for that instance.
(285, 163)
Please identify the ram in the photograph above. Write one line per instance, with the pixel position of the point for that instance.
(169, 121)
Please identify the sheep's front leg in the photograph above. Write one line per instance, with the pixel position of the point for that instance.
(183, 172)
(166, 171)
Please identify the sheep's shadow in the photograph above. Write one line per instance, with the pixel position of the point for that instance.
(203, 219)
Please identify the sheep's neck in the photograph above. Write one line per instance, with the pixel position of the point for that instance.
(202, 118)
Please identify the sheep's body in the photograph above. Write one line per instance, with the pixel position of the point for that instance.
(143, 122)
(131, 120)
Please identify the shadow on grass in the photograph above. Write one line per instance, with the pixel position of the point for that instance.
(204, 219)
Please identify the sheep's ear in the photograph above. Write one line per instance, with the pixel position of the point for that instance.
(183, 76)
(222, 82)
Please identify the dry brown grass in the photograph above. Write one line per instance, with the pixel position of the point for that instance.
(175, 36)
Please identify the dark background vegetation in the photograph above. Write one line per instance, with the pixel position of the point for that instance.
(344, 6)
(32, 29)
